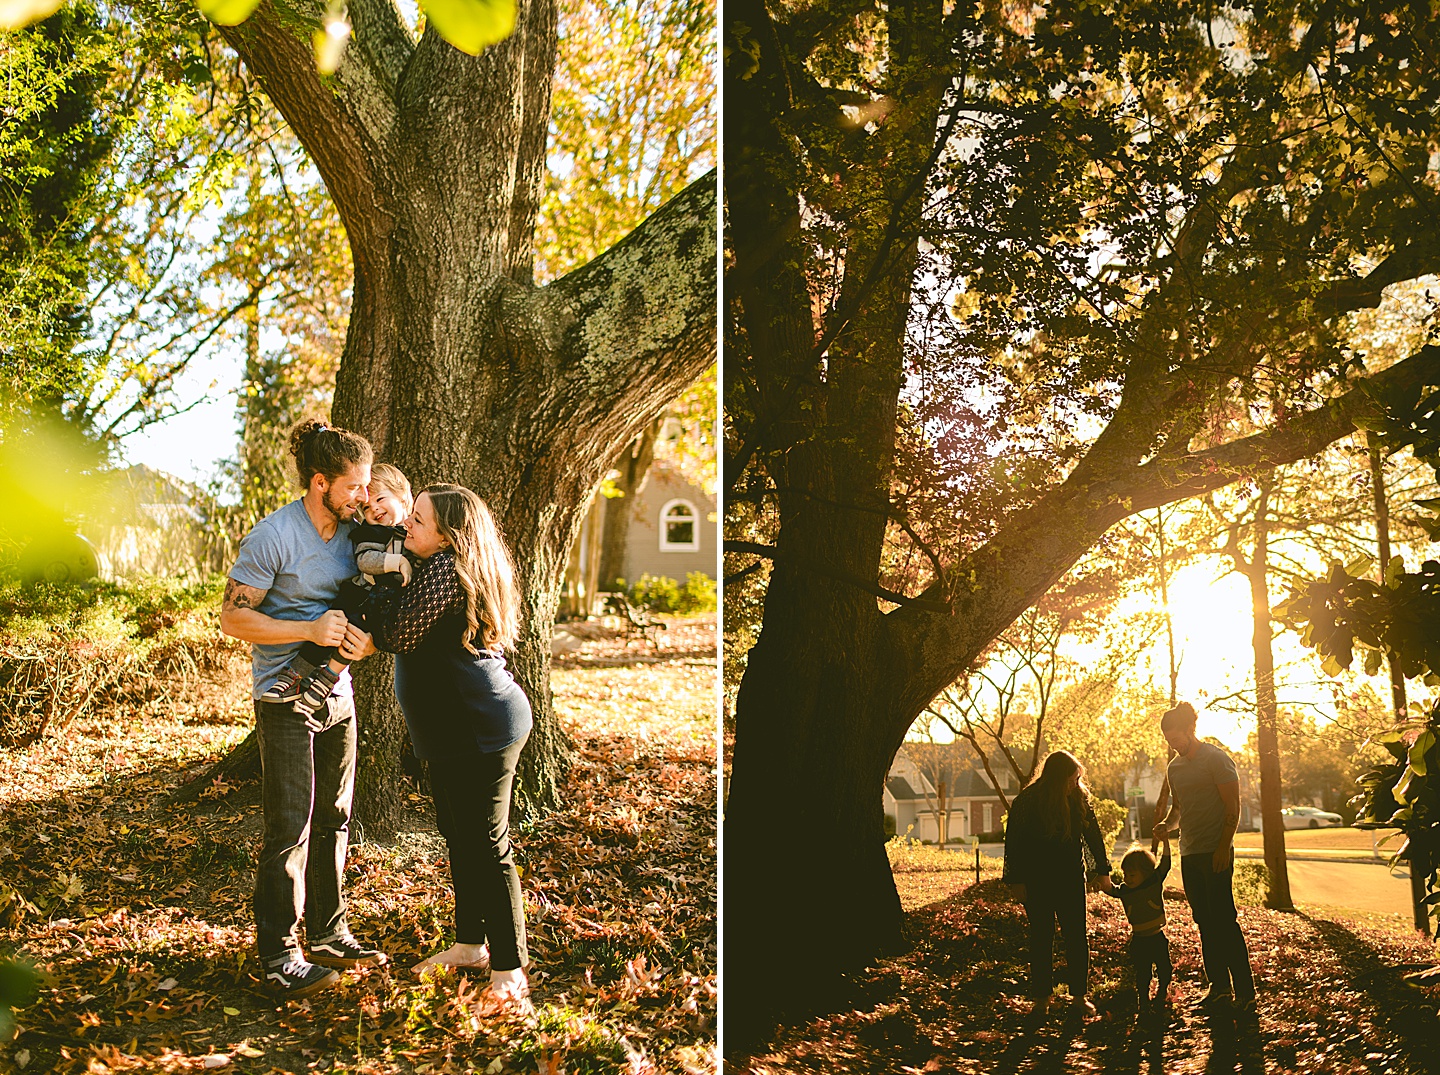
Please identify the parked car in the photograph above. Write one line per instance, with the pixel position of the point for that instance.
(58, 559)
(1307, 817)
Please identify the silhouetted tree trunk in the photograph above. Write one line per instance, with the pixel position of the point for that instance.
(1382, 538)
(1267, 741)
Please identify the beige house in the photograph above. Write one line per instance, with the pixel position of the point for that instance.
(147, 524)
(674, 528)
(971, 804)
(909, 799)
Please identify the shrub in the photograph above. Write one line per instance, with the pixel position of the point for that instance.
(697, 595)
(67, 650)
(657, 593)
(1251, 882)
(1111, 816)
(660, 593)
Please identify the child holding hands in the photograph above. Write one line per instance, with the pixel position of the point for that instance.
(1142, 895)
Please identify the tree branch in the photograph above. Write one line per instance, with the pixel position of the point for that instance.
(770, 552)
(1012, 571)
(638, 322)
(382, 40)
(1392, 391)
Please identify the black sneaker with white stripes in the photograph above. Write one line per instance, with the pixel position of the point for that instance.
(291, 976)
(291, 683)
(343, 950)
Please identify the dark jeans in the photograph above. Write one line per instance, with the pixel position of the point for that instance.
(1058, 899)
(1147, 951)
(1222, 945)
(472, 808)
(308, 780)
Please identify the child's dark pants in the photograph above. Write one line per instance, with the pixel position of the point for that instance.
(1147, 951)
(358, 604)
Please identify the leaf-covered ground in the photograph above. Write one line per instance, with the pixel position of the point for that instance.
(137, 912)
(1332, 999)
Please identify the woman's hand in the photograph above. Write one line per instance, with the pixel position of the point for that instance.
(356, 644)
(329, 629)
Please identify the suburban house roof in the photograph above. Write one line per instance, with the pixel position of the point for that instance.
(899, 787)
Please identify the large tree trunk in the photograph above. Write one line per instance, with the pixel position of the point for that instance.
(456, 366)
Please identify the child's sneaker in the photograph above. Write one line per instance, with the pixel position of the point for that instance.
(343, 950)
(291, 682)
(289, 975)
(317, 688)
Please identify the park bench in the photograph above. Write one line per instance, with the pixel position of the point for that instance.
(637, 620)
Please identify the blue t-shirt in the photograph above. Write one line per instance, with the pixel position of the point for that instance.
(285, 556)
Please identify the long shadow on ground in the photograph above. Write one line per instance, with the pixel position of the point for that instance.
(1406, 1012)
(1331, 1001)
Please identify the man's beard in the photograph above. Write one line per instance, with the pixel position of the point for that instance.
(342, 514)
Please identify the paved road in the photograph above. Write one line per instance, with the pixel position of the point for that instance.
(1360, 886)
(1355, 885)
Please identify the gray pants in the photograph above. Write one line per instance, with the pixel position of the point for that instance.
(308, 781)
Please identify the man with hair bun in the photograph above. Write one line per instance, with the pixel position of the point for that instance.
(278, 597)
(1205, 810)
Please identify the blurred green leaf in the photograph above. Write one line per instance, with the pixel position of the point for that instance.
(19, 984)
(471, 25)
(227, 12)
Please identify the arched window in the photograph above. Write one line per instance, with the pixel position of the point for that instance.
(678, 527)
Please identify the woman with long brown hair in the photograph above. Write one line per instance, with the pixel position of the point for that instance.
(1052, 844)
(468, 718)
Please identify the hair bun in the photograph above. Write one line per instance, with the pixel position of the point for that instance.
(303, 432)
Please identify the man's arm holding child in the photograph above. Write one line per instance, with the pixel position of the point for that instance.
(1168, 825)
(240, 617)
